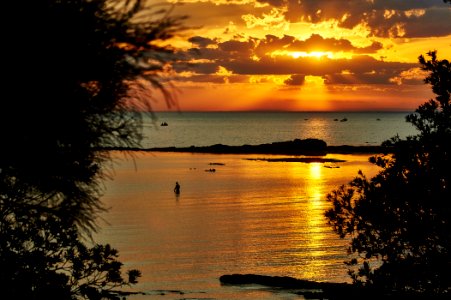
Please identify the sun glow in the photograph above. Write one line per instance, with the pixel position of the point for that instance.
(315, 54)
(298, 54)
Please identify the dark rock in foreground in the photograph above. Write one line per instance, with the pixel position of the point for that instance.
(320, 290)
(306, 288)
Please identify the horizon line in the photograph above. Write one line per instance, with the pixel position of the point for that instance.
(282, 111)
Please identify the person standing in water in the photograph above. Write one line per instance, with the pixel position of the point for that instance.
(177, 188)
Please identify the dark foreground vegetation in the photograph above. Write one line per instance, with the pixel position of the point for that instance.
(398, 222)
(73, 69)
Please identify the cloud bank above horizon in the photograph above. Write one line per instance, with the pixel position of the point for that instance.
(308, 54)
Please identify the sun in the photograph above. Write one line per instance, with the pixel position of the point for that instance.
(298, 54)
(315, 54)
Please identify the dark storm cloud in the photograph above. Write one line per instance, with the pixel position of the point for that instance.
(314, 43)
(237, 48)
(416, 18)
(201, 41)
(382, 71)
(199, 68)
(318, 43)
(295, 80)
(363, 70)
(213, 78)
(376, 78)
(253, 57)
(270, 43)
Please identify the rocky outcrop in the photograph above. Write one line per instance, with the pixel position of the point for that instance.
(307, 147)
(312, 147)
(322, 290)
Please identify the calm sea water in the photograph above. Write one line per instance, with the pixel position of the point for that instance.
(238, 128)
(249, 216)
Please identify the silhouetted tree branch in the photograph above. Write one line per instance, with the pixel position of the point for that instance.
(76, 71)
(398, 221)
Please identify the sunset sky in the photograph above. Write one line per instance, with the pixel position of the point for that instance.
(307, 55)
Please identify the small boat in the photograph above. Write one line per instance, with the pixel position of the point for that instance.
(343, 120)
(331, 166)
(164, 124)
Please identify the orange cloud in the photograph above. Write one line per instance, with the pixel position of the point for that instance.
(384, 18)
(309, 54)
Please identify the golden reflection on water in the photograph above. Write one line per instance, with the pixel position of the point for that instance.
(308, 235)
(315, 219)
(314, 191)
(247, 217)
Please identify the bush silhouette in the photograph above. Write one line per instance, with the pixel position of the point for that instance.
(398, 221)
(75, 68)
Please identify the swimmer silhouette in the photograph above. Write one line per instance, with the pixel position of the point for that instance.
(177, 188)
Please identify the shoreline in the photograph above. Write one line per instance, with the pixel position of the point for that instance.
(307, 147)
(321, 290)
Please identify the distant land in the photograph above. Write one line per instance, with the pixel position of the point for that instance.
(309, 147)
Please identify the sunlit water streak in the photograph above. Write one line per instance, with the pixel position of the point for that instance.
(250, 216)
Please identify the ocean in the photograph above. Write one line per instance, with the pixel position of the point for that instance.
(248, 216)
(238, 128)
